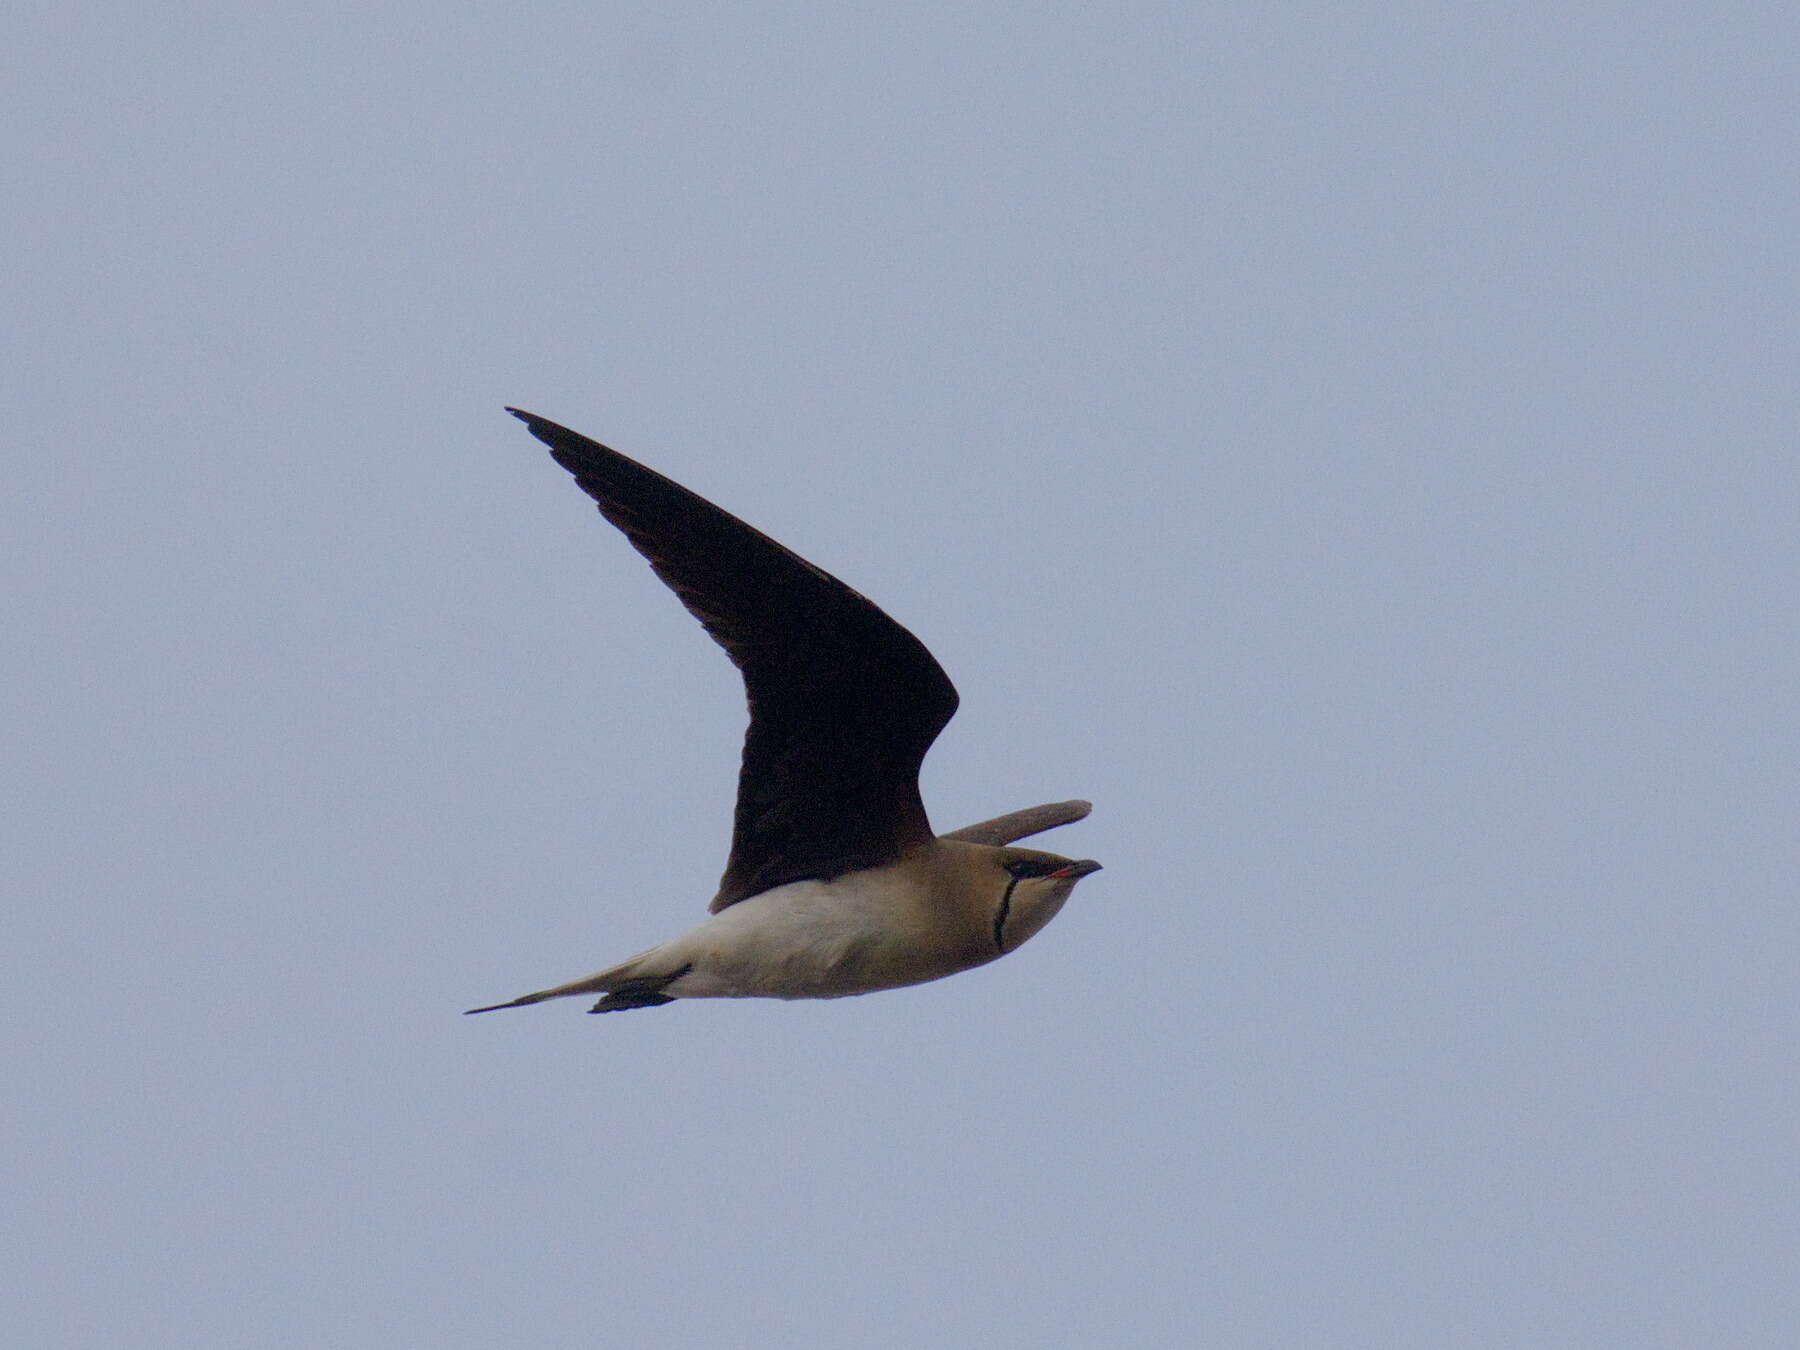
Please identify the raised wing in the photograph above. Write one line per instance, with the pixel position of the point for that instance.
(844, 702)
(1018, 824)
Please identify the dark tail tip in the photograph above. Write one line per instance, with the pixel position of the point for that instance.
(641, 991)
(620, 1002)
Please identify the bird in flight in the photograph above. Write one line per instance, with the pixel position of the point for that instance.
(835, 884)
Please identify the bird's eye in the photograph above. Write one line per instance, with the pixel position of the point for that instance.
(1032, 867)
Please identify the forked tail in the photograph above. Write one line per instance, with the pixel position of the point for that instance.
(622, 989)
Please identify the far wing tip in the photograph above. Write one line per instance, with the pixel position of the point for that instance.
(1018, 824)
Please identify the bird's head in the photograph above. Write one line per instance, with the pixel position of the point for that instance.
(1032, 886)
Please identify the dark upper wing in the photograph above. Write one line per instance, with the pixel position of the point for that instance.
(844, 702)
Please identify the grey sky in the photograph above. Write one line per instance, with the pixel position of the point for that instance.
(1352, 444)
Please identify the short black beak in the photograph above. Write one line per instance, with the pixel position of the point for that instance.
(1076, 869)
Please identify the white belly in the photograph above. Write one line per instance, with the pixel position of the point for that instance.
(815, 939)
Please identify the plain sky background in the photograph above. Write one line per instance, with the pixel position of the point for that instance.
(1353, 444)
